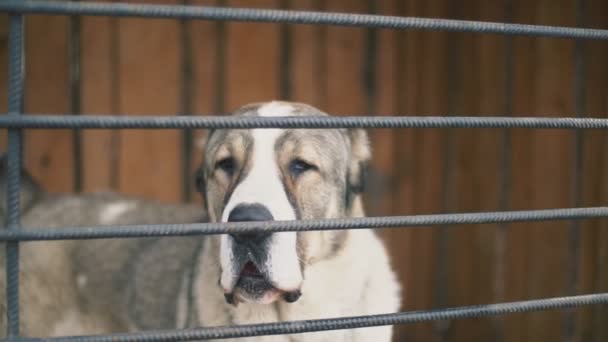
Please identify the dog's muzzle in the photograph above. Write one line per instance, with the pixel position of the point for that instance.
(250, 261)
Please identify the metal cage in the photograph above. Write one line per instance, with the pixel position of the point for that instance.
(15, 122)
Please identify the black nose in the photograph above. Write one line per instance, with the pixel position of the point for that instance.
(250, 212)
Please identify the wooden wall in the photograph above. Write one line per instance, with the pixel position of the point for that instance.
(136, 66)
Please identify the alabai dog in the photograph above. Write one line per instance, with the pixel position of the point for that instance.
(289, 174)
(118, 285)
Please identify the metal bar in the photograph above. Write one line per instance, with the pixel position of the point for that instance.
(15, 107)
(208, 228)
(229, 122)
(292, 17)
(297, 327)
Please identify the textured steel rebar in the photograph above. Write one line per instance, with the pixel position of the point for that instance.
(297, 327)
(181, 122)
(15, 107)
(133, 231)
(293, 17)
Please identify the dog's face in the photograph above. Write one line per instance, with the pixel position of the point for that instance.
(278, 174)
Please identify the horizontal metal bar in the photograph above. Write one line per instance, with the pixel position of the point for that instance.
(178, 122)
(292, 17)
(297, 327)
(134, 231)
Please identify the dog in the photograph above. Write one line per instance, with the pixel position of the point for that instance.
(114, 285)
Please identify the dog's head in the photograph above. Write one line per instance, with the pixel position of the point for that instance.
(279, 174)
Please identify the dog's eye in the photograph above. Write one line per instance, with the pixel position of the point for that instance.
(298, 167)
(227, 165)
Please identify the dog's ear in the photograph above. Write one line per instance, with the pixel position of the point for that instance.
(199, 175)
(200, 184)
(359, 161)
(357, 169)
(199, 179)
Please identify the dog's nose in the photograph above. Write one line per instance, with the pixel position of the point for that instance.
(250, 212)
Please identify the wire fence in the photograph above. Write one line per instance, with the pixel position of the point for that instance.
(15, 122)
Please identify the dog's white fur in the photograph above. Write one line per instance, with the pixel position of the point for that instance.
(263, 185)
(332, 289)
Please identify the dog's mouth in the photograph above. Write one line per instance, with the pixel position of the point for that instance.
(253, 285)
(250, 270)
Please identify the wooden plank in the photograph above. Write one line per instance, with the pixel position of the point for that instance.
(346, 93)
(48, 153)
(403, 244)
(552, 169)
(382, 91)
(595, 14)
(475, 175)
(382, 100)
(601, 259)
(422, 90)
(517, 251)
(100, 89)
(594, 244)
(307, 58)
(249, 45)
(149, 160)
(463, 191)
(490, 241)
(206, 71)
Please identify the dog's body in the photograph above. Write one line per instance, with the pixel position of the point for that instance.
(105, 286)
(100, 286)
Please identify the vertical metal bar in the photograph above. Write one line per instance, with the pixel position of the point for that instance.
(505, 179)
(186, 105)
(15, 108)
(574, 235)
(75, 97)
